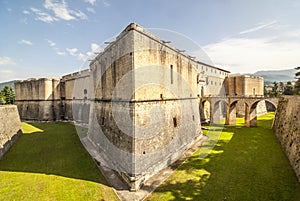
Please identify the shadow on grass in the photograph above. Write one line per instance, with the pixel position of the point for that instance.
(248, 165)
(52, 149)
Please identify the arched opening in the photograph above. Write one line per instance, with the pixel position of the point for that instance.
(205, 111)
(251, 114)
(218, 112)
(231, 113)
(271, 107)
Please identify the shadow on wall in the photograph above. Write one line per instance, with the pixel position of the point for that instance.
(52, 149)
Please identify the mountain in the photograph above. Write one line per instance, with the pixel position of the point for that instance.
(9, 84)
(277, 75)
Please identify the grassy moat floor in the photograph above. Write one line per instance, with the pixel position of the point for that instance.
(245, 164)
(48, 162)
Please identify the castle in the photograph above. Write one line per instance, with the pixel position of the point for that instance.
(140, 99)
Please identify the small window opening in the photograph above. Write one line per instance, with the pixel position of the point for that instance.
(175, 121)
(171, 74)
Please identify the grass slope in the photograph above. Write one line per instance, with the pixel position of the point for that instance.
(245, 164)
(48, 162)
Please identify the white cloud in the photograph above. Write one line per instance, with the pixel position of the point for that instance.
(72, 51)
(51, 43)
(26, 12)
(42, 16)
(260, 26)
(90, 1)
(91, 10)
(62, 11)
(242, 55)
(26, 42)
(94, 48)
(105, 3)
(61, 53)
(6, 61)
(82, 57)
(79, 14)
(6, 71)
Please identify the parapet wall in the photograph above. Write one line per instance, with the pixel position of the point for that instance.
(10, 127)
(287, 129)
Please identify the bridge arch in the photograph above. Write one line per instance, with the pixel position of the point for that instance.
(205, 107)
(233, 106)
(218, 110)
(271, 105)
(251, 111)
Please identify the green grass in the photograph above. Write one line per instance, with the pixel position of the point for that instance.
(245, 164)
(48, 162)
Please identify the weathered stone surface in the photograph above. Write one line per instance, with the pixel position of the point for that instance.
(244, 85)
(287, 129)
(10, 127)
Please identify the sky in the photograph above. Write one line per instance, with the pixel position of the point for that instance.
(51, 38)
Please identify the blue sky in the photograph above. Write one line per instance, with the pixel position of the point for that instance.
(56, 37)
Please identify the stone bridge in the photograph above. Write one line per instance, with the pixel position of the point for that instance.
(228, 105)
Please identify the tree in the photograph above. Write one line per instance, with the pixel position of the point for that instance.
(7, 95)
(288, 89)
(2, 99)
(281, 87)
(275, 88)
(297, 84)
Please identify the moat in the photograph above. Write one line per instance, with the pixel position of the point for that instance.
(245, 164)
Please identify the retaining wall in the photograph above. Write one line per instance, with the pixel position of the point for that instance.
(10, 127)
(287, 129)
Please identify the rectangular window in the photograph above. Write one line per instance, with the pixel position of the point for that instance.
(175, 121)
(171, 74)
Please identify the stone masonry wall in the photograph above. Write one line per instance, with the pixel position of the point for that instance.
(287, 129)
(38, 99)
(10, 127)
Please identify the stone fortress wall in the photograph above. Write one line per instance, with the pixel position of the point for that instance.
(10, 127)
(50, 99)
(286, 126)
(140, 98)
(75, 96)
(38, 99)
